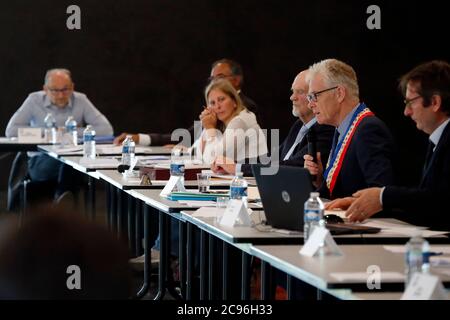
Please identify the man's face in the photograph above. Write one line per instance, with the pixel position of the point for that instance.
(223, 70)
(59, 89)
(424, 117)
(298, 97)
(325, 105)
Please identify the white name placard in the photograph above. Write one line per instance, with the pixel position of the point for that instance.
(320, 239)
(174, 181)
(31, 135)
(236, 214)
(423, 286)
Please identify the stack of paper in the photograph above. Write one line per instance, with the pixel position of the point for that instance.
(197, 196)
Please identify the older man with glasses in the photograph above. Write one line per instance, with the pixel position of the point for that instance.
(58, 98)
(427, 102)
(362, 147)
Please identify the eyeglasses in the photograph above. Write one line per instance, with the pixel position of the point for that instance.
(408, 101)
(63, 90)
(312, 97)
(220, 76)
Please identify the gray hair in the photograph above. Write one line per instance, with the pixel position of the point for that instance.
(50, 72)
(335, 72)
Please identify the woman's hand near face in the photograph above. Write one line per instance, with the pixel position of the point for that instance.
(208, 118)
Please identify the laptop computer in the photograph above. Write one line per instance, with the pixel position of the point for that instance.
(283, 196)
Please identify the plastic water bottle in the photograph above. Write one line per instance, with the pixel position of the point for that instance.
(50, 128)
(89, 142)
(177, 164)
(238, 188)
(416, 256)
(71, 129)
(128, 151)
(313, 213)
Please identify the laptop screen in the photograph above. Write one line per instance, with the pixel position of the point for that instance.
(283, 195)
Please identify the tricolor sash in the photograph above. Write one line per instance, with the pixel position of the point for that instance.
(335, 160)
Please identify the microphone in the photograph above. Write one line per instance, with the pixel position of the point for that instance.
(312, 147)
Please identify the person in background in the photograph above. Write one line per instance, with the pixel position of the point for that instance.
(295, 146)
(57, 255)
(58, 98)
(362, 151)
(221, 69)
(426, 89)
(230, 130)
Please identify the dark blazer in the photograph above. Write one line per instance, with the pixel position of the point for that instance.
(160, 139)
(428, 204)
(368, 161)
(324, 136)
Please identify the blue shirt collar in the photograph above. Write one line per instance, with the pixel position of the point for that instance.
(342, 128)
(310, 123)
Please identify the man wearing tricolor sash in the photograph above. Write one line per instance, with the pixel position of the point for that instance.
(362, 149)
(426, 89)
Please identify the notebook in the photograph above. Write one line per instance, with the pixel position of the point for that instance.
(283, 196)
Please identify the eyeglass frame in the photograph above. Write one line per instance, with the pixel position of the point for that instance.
(220, 76)
(312, 97)
(407, 102)
(63, 90)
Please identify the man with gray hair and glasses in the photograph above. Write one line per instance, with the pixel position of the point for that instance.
(426, 89)
(362, 147)
(58, 98)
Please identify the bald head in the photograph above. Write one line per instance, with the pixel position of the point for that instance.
(299, 103)
(58, 86)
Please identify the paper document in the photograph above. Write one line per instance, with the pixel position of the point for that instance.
(440, 262)
(386, 224)
(386, 276)
(187, 165)
(197, 204)
(409, 232)
(402, 249)
(253, 193)
(62, 150)
(113, 149)
(219, 176)
(208, 212)
(99, 162)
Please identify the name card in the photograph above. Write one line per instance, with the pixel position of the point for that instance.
(320, 239)
(174, 182)
(31, 135)
(423, 286)
(236, 214)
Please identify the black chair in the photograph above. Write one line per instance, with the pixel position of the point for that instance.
(23, 191)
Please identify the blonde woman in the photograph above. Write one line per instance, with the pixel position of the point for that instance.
(229, 129)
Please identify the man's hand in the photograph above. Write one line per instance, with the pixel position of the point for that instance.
(315, 169)
(119, 139)
(341, 203)
(223, 165)
(365, 205)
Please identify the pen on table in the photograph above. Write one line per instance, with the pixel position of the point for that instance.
(431, 253)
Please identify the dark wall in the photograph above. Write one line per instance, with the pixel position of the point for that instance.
(144, 63)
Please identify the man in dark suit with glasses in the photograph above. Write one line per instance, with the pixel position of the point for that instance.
(426, 89)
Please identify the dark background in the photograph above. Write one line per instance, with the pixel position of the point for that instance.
(144, 63)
